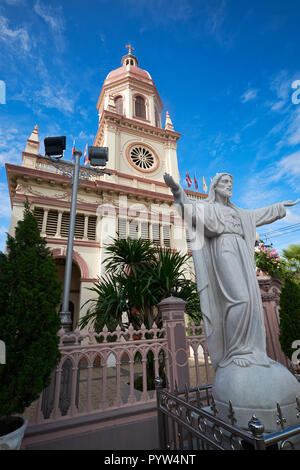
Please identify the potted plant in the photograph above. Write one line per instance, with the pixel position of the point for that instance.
(29, 296)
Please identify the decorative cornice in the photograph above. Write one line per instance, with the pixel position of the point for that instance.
(48, 201)
(97, 186)
(137, 127)
(14, 170)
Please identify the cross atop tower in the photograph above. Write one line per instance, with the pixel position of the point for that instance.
(130, 48)
(129, 59)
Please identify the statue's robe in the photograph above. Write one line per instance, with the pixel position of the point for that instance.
(226, 279)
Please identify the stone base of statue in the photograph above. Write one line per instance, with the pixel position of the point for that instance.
(269, 392)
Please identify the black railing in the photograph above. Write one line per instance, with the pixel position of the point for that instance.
(187, 420)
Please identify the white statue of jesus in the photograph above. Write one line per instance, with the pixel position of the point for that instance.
(225, 271)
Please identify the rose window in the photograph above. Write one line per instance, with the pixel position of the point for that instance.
(142, 157)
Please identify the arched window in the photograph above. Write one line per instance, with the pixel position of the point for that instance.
(119, 104)
(140, 107)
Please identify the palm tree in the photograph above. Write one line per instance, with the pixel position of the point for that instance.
(138, 276)
(292, 252)
(292, 263)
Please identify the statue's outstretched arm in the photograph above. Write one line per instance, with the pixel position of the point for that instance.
(290, 203)
(180, 197)
(270, 214)
(169, 180)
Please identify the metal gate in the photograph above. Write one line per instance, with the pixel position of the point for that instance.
(187, 420)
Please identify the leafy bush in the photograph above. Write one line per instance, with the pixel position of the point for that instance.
(289, 315)
(138, 277)
(29, 295)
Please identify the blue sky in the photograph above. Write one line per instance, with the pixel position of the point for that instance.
(224, 70)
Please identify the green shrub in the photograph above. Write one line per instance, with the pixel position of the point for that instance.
(29, 295)
(289, 315)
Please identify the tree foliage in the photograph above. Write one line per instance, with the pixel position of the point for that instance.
(138, 276)
(289, 315)
(29, 295)
(292, 261)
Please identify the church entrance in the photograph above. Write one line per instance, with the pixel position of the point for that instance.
(74, 303)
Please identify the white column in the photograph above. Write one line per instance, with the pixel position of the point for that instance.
(60, 213)
(16, 215)
(110, 142)
(152, 110)
(108, 229)
(44, 225)
(86, 223)
(170, 151)
(129, 103)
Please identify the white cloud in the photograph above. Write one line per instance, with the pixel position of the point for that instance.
(288, 167)
(281, 86)
(160, 13)
(54, 19)
(54, 97)
(5, 208)
(3, 230)
(257, 194)
(277, 182)
(12, 143)
(16, 38)
(249, 95)
(216, 14)
(14, 2)
(292, 217)
(84, 135)
(293, 131)
(249, 124)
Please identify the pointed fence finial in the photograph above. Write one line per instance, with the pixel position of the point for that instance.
(281, 420)
(256, 426)
(298, 406)
(213, 406)
(198, 398)
(186, 393)
(231, 414)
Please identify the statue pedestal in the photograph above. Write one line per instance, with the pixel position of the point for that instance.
(257, 390)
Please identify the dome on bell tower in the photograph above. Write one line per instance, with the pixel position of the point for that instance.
(129, 67)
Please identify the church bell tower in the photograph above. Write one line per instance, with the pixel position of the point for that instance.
(130, 124)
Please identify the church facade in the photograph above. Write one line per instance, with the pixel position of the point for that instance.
(132, 201)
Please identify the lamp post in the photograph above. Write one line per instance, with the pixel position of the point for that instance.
(65, 315)
(97, 156)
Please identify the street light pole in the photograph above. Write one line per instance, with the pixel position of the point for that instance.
(65, 315)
